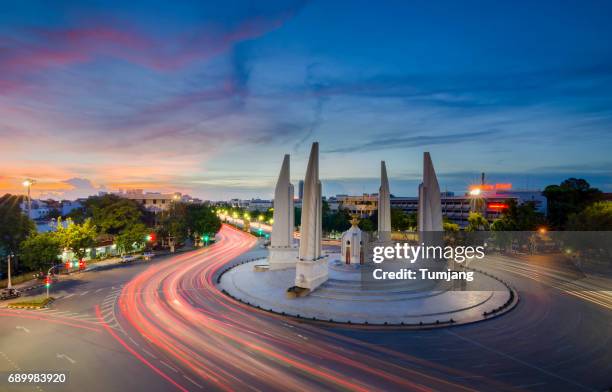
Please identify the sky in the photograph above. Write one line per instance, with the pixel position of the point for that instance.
(206, 98)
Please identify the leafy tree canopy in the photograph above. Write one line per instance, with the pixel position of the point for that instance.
(112, 214)
(570, 197)
(15, 226)
(39, 251)
(201, 219)
(77, 237)
(596, 217)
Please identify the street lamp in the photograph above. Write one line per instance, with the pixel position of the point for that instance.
(28, 182)
(9, 259)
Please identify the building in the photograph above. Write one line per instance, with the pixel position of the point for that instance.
(152, 201)
(70, 205)
(490, 200)
(252, 204)
(39, 209)
(363, 206)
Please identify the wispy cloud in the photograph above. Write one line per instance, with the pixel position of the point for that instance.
(417, 141)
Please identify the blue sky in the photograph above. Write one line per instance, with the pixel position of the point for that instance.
(206, 99)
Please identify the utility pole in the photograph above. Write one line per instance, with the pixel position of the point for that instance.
(9, 284)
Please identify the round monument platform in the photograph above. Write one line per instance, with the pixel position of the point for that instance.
(343, 299)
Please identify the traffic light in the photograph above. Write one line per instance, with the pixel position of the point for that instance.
(48, 281)
(81, 265)
(205, 238)
(260, 231)
(267, 235)
(68, 265)
(150, 237)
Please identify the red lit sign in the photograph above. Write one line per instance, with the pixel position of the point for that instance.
(491, 187)
(497, 206)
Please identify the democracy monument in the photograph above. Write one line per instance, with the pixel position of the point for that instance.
(300, 279)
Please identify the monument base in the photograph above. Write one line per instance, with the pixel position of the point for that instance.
(310, 274)
(282, 258)
(344, 298)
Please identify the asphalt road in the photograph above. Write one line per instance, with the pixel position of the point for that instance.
(163, 325)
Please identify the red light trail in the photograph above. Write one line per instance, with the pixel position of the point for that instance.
(231, 346)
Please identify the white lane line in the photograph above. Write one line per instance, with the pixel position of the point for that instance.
(24, 329)
(98, 290)
(69, 295)
(525, 386)
(84, 292)
(66, 357)
(193, 382)
(168, 366)
(515, 359)
(134, 342)
(149, 353)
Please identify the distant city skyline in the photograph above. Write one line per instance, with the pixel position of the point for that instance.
(205, 100)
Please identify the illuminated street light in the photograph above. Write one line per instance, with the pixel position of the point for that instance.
(475, 192)
(542, 230)
(28, 182)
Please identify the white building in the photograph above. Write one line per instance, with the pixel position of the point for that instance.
(39, 209)
(152, 201)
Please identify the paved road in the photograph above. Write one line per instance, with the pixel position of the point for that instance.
(164, 326)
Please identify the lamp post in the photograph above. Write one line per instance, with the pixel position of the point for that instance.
(9, 259)
(28, 182)
(48, 278)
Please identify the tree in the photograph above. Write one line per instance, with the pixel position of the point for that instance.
(15, 226)
(522, 217)
(450, 227)
(367, 225)
(298, 216)
(202, 220)
(134, 237)
(570, 197)
(112, 214)
(40, 250)
(173, 224)
(336, 221)
(77, 237)
(596, 217)
(477, 222)
(402, 221)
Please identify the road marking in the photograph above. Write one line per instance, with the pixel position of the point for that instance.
(193, 382)
(66, 357)
(98, 290)
(168, 366)
(24, 329)
(69, 295)
(504, 374)
(149, 353)
(84, 292)
(134, 342)
(530, 385)
(503, 354)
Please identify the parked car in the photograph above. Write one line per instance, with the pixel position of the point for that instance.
(148, 255)
(128, 258)
(9, 293)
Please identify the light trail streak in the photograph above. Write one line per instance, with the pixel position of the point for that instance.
(230, 346)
